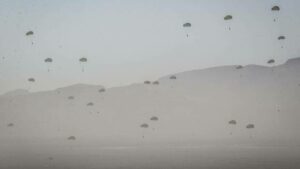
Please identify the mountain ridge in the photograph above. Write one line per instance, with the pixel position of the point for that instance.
(295, 61)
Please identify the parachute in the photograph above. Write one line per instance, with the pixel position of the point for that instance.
(271, 61)
(239, 67)
(154, 118)
(155, 83)
(82, 61)
(71, 97)
(72, 138)
(90, 104)
(227, 18)
(48, 61)
(147, 82)
(10, 125)
(232, 122)
(101, 90)
(281, 38)
(29, 33)
(173, 77)
(31, 79)
(275, 8)
(187, 25)
(250, 126)
(144, 125)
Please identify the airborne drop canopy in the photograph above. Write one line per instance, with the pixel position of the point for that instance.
(275, 9)
(154, 118)
(173, 77)
(155, 83)
(250, 126)
(29, 33)
(227, 18)
(144, 125)
(10, 125)
(48, 61)
(281, 39)
(72, 138)
(31, 79)
(187, 26)
(232, 124)
(101, 90)
(271, 61)
(82, 61)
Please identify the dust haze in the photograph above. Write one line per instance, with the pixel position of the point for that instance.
(149, 85)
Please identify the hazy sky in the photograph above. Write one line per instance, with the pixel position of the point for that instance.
(136, 40)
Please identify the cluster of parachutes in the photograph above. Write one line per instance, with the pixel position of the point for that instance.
(275, 9)
(49, 60)
(188, 25)
(234, 123)
(82, 60)
(227, 18)
(146, 125)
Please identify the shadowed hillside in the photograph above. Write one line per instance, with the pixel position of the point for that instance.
(194, 107)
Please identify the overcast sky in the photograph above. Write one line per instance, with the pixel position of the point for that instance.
(136, 40)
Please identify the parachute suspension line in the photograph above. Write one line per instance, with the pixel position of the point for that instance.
(82, 67)
(276, 10)
(48, 67)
